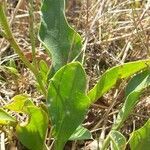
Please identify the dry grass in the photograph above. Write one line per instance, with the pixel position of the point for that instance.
(114, 32)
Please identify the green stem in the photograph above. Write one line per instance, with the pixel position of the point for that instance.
(32, 31)
(106, 143)
(8, 35)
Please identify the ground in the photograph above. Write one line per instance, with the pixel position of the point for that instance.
(113, 32)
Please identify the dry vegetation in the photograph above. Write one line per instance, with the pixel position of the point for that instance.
(114, 32)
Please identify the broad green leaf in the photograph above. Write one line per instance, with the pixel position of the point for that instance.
(134, 90)
(6, 119)
(19, 103)
(62, 42)
(67, 101)
(81, 133)
(118, 140)
(33, 134)
(111, 76)
(140, 139)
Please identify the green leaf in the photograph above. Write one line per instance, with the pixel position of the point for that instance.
(12, 64)
(62, 42)
(12, 70)
(111, 76)
(44, 69)
(19, 103)
(133, 93)
(81, 133)
(118, 140)
(140, 139)
(138, 82)
(6, 119)
(33, 134)
(67, 101)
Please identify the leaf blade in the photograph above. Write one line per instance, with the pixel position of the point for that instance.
(6, 119)
(133, 93)
(61, 41)
(67, 101)
(111, 76)
(81, 133)
(19, 102)
(35, 130)
(118, 140)
(140, 139)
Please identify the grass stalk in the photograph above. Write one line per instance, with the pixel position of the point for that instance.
(32, 31)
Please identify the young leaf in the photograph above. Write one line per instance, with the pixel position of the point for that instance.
(81, 133)
(140, 139)
(111, 76)
(134, 90)
(118, 140)
(33, 134)
(18, 103)
(62, 42)
(12, 64)
(67, 101)
(6, 119)
(12, 70)
(44, 69)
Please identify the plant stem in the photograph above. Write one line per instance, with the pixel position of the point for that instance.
(32, 31)
(8, 35)
(106, 143)
(10, 38)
